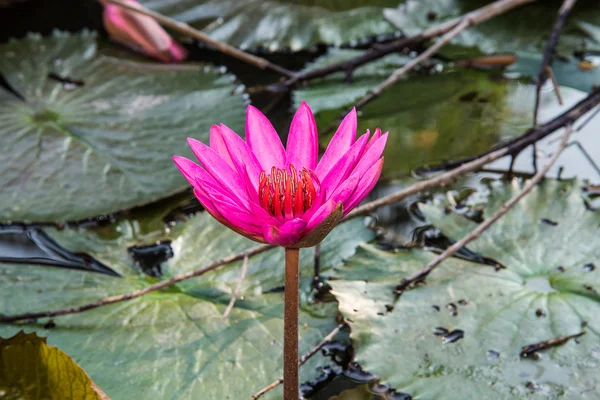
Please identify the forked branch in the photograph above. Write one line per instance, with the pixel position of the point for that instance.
(420, 275)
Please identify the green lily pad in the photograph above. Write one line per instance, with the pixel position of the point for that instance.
(431, 118)
(548, 243)
(92, 134)
(30, 369)
(174, 343)
(282, 24)
(525, 28)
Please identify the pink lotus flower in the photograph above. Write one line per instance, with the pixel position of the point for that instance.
(141, 33)
(283, 196)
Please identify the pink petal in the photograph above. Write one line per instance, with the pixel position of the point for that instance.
(218, 168)
(189, 169)
(374, 138)
(218, 144)
(244, 159)
(285, 235)
(252, 234)
(339, 144)
(303, 144)
(345, 190)
(208, 204)
(263, 140)
(343, 167)
(322, 213)
(178, 53)
(365, 185)
(141, 32)
(371, 155)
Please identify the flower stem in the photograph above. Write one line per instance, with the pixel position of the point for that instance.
(290, 326)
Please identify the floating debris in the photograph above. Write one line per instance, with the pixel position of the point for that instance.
(529, 350)
(589, 267)
(452, 308)
(50, 324)
(454, 336)
(462, 302)
(540, 313)
(149, 258)
(439, 331)
(492, 355)
(549, 222)
(448, 336)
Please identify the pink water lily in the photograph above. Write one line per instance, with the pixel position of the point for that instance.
(141, 33)
(283, 196)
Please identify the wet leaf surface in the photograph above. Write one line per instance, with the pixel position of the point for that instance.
(495, 310)
(92, 134)
(282, 24)
(174, 343)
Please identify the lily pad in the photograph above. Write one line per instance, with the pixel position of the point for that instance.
(174, 343)
(462, 333)
(525, 28)
(282, 24)
(31, 369)
(431, 118)
(90, 134)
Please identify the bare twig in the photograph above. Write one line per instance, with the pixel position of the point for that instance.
(440, 180)
(532, 135)
(555, 85)
(187, 30)
(563, 13)
(463, 167)
(477, 16)
(443, 179)
(302, 360)
(236, 292)
(450, 251)
(138, 293)
(400, 72)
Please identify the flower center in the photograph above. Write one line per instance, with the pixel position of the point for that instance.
(286, 193)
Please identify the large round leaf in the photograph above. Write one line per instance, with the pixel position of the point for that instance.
(175, 344)
(281, 24)
(92, 134)
(549, 245)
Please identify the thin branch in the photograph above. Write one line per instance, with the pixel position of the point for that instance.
(477, 16)
(419, 276)
(440, 180)
(563, 13)
(532, 135)
(236, 292)
(138, 293)
(302, 360)
(555, 85)
(187, 30)
(465, 23)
